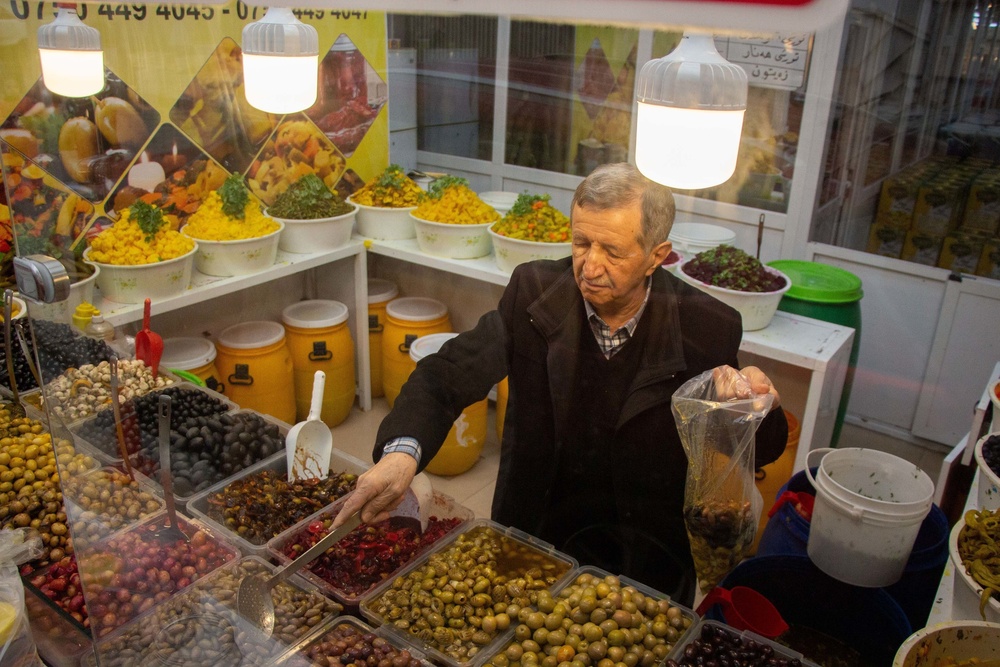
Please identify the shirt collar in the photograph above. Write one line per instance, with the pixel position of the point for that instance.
(629, 326)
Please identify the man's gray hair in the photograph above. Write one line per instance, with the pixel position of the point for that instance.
(620, 184)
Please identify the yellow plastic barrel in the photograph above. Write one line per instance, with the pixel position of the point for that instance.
(256, 367)
(195, 355)
(320, 340)
(776, 474)
(407, 319)
(464, 444)
(380, 293)
(502, 390)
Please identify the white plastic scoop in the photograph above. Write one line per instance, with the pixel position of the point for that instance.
(309, 444)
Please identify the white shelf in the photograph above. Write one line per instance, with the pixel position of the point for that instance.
(204, 288)
(798, 340)
(481, 268)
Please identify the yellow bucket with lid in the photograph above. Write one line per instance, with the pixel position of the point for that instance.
(502, 392)
(320, 340)
(194, 355)
(380, 293)
(464, 444)
(406, 320)
(256, 367)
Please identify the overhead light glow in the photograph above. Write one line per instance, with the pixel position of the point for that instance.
(280, 62)
(71, 55)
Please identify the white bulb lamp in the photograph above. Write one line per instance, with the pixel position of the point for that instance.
(691, 106)
(280, 62)
(71, 55)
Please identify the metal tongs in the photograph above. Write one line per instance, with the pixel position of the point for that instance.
(17, 408)
(117, 411)
(172, 531)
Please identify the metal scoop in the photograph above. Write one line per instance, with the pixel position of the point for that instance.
(16, 408)
(253, 599)
(309, 444)
(172, 531)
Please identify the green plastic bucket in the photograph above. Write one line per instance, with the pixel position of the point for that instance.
(830, 294)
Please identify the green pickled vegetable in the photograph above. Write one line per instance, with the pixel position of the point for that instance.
(308, 199)
(532, 218)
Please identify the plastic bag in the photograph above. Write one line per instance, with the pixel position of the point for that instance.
(721, 502)
(17, 647)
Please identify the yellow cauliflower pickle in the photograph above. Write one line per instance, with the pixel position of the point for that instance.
(126, 244)
(211, 223)
(391, 189)
(450, 200)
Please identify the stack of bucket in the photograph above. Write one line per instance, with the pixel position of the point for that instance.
(873, 526)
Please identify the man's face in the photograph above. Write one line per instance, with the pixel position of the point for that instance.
(609, 263)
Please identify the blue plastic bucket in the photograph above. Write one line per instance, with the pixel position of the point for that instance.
(868, 620)
(787, 533)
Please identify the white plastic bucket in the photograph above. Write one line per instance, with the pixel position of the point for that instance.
(869, 507)
(694, 237)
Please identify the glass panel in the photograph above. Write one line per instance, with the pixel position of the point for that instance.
(777, 67)
(456, 63)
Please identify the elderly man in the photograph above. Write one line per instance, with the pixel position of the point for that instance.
(593, 346)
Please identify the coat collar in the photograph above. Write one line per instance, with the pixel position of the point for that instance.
(558, 314)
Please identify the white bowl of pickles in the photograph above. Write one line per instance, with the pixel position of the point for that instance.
(532, 229)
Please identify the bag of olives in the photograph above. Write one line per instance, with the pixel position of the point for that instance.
(721, 502)
(17, 647)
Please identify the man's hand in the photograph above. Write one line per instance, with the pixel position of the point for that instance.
(731, 383)
(381, 489)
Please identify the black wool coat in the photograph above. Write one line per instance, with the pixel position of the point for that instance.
(533, 339)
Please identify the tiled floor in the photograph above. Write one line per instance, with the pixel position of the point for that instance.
(474, 488)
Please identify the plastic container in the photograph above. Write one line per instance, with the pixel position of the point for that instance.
(691, 238)
(200, 505)
(865, 619)
(256, 366)
(195, 355)
(560, 595)
(968, 592)
(503, 392)
(464, 443)
(830, 294)
(87, 528)
(380, 293)
(135, 284)
(296, 657)
(563, 564)
(756, 308)
(239, 257)
(451, 240)
(98, 328)
(695, 633)
(442, 507)
(318, 235)
(60, 639)
(209, 604)
(509, 252)
(989, 481)
(407, 319)
(957, 641)
(501, 201)
(787, 533)
(384, 223)
(868, 511)
(320, 341)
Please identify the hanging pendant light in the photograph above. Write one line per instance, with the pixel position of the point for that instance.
(690, 115)
(71, 55)
(280, 62)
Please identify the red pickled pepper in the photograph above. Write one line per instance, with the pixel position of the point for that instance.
(369, 554)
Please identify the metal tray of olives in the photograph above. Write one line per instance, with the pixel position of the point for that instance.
(442, 507)
(526, 562)
(200, 626)
(665, 623)
(298, 656)
(61, 640)
(779, 650)
(200, 505)
(87, 525)
(107, 447)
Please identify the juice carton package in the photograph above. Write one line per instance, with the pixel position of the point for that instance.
(922, 248)
(989, 261)
(886, 240)
(961, 251)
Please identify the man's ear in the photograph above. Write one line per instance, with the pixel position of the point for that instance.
(658, 256)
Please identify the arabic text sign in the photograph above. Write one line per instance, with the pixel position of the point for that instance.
(776, 61)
